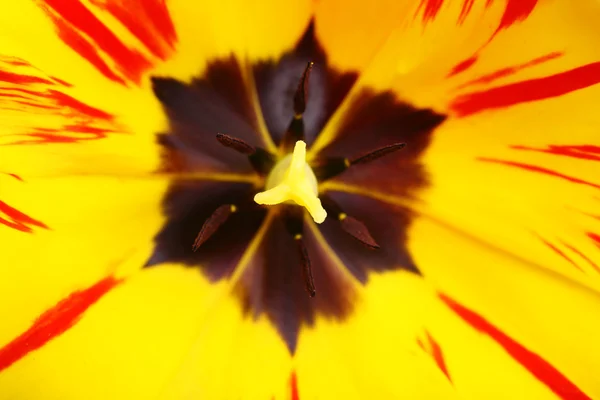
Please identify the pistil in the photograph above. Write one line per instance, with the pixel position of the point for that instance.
(292, 179)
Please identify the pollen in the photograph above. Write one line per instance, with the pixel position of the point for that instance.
(293, 180)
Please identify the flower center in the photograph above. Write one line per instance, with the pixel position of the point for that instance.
(292, 179)
(273, 257)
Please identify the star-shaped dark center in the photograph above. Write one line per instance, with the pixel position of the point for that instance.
(277, 253)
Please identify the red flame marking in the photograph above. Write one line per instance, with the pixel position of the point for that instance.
(148, 20)
(536, 365)
(582, 255)
(435, 351)
(528, 90)
(515, 11)
(294, 387)
(595, 238)
(81, 45)
(463, 66)
(129, 62)
(54, 322)
(465, 10)
(584, 152)
(17, 220)
(504, 72)
(534, 168)
(559, 252)
(430, 9)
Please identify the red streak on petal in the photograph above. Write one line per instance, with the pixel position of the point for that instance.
(17, 177)
(535, 364)
(584, 152)
(294, 386)
(65, 100)
(14, 96)
(128, 61)
(534, 168)
(435, 351)
(526, 91)
(21, 90)
(430, 9)
(62, 82)
(504, 72)
(72, 38)
(45, 136)
(54, 322)
(582, 255)
(594, 237)
(18, 220)
(515, 11)
(148, 20)
(559, 252)
(466, 9)
(463, 66)
(18, 79)
(44, 106)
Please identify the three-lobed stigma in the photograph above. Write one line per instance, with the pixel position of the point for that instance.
(292, 179)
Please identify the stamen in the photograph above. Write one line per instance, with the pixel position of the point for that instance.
(295, 130)
(302, 92)
(350, 225)
(374, 155)
(212, 224)
(236, 144)
(334, 166)
(357, 230)
(297, 184)
(306, 265)
(262, 161)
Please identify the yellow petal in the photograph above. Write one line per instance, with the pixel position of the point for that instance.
(85, 230)
(74, 98)
(241, 355)
(374, 352)
(522, 315)
(233, 356)
(444, 54)
(252, 31)
(524, 179)
(91, 64)
(125, 345)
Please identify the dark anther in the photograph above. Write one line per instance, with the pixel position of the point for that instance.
(212, 224)
(236, 144)
(262, 161)
(330, 167)
(302, 91)
(294, 224)
(374, 155)
(306, 266)
(357, 230)
(350, 225)
(295, 130)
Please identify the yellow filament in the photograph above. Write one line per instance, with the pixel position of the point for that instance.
(292, 179)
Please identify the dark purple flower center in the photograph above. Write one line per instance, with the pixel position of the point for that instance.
(361, 235)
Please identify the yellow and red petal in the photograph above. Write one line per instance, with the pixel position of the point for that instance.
(517, 311)
(375, 351)
(71, 99)
(118, 339)
(516, 162)
(64, 234)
